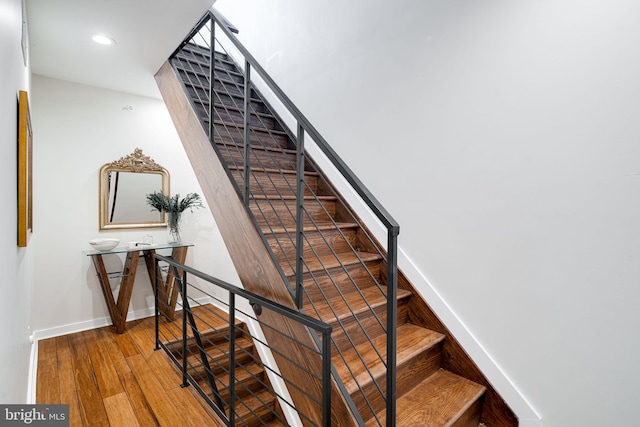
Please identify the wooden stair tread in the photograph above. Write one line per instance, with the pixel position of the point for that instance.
(354, 302)
(258, 147)
(275, 197)
(324, 226)
(345, 260)
(245, 376)
(260, 404)
(211, 321)
(219, 56)
(240, 110)
(411, 341)
(274, 171)
(439, 400)
(255, 128)
(221, 350)
(201, 73)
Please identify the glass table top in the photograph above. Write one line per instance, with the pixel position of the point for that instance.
(139, 247)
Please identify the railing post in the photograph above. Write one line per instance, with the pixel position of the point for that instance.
(392, 322)
(300, 190)
(247, 133)
(232, 359)
(212, 73)
(185, 303)
(326, 378)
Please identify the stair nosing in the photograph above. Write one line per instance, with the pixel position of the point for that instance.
(259, 147)
(319, 227)
(371, 305)
(274, 171)
(257, 129)
(363, 257)
(276, 197)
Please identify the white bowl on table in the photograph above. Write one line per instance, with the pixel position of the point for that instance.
(104, 244)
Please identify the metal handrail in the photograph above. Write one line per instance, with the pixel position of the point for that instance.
(251, 66)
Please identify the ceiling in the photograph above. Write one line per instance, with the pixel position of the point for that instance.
(146, 33)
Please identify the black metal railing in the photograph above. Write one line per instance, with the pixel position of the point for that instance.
(217, 353)
(270, 169)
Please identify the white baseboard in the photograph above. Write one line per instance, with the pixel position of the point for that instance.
(88, 324)
(33, 371)
(527, 415)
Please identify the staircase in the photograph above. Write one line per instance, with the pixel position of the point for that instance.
(344, 268)
(256, 404)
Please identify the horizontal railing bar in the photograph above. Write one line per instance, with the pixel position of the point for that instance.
(256, 299)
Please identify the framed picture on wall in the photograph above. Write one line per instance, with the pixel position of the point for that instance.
(25, 170)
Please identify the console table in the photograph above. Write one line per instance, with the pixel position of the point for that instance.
(167, 289)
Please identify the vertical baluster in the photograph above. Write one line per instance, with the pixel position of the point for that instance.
(185, 303)
(232, 358)
(156, 270)
(212, 67)
(247, 134)
(299, 213)
(326, 377)
(392, 322)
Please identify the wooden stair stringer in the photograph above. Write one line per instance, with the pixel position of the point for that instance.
(250, 256)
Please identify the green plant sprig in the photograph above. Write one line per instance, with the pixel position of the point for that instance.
(161, 202)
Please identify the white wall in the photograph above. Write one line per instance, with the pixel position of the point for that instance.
(15, 263)
(79, 128)
(503, 135)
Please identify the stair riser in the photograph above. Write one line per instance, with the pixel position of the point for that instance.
(355, 332)
(195, 76)
(273, 184)
(234, 135)
(202, 54)
(217, 361)
(230, 88)
(234, 116)
(228, 75)
(408, 375)
(318, 245)
(323, 285)
(471, 417)
(243, 388)
(208, 338)
(282, 213)
(260, 416)
(221, 62)
(225, 82)
(233, 101)
(254, 415)
(234, 156)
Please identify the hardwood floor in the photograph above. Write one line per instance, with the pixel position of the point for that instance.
(111, 379)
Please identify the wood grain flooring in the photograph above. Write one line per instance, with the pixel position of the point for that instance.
(111, 379)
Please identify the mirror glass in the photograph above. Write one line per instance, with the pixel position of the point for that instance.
(124, 185)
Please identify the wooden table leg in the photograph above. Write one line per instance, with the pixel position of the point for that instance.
(103, 278)
(126, 287)
(118, 310)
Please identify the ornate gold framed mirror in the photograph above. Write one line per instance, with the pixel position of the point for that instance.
(124, 185)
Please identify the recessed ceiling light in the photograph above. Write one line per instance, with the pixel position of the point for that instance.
(102, 39)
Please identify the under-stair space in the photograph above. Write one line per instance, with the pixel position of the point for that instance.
(344, 268)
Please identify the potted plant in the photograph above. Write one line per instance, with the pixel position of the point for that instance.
(174, 206)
